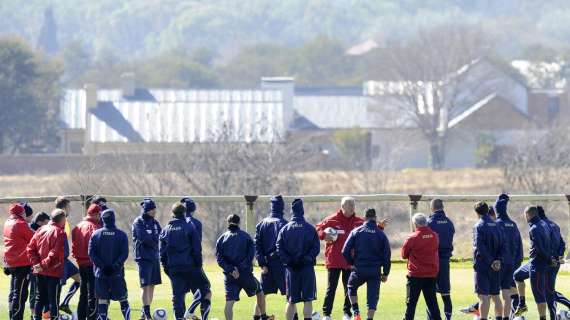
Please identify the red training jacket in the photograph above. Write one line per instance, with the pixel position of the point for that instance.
(47, 250)
(17, 235)
(80, 236)
(333, 250)
(421, 250)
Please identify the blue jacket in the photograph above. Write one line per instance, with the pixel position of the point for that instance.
(146, 231)
(368, 246)
(109, 247)
(190, 209)
(180, 246)
(266, 233)
(445, 230)
(540, 244)
(235, 249)
(513, 247)
(487, 243)
(557, 241)
(298, 242)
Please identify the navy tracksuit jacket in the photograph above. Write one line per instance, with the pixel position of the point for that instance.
(146, 232)
(487, 244)
(513, 248)
(298, 242)
(266, 233)
(235, 249)
(368, 247)
(540, 244)
(109, 247)
(445, 230)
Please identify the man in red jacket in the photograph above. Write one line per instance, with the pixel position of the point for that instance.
(344, 221)
(17, 235)
(46, 253)
(80, 236)
(421, 250)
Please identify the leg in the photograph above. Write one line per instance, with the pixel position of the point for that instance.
(19, 292)
(290, 311)
(146, 301)
(412, 294)
(560, 298)
(125, 309)
(102, 309)
(332, 283)
(541, 310)
(443, 286)
(354, 282)
(83, 296)
(372, 295)
(430, 297)
(447, 305)
(506, 294)
(484, 306)
(498, 306)
(54, 291)
(205, 305)
(41, 297)
(91, 297)
(308, 309)
(228, 310)
(347, 303)
(261, 303)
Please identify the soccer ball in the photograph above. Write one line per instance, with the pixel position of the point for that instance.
(159, 314)
(332, 232)
(68, 317)
(563, 315)
(316, 315)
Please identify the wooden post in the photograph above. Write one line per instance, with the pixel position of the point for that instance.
(249, 214)
(414, 199)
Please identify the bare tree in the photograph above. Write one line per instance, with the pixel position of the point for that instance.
(432, 77)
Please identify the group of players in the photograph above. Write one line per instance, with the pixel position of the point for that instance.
(37, 251)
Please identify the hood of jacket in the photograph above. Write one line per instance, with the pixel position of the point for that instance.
(297, 209)
(277, 207)
(108, 218)
(501, 207)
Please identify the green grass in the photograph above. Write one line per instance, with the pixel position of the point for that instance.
(392, 295)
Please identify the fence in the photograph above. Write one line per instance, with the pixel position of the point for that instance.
(250, 204)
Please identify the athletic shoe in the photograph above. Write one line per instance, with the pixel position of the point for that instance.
(356, 317)
(190, 316)
(348, 317)
(327, 318)
(65, 309)
(520, 311)
(470, 310)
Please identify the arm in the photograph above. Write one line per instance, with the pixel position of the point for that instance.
(281, 250)
(56, 253)
(561, 247)
(93, 252)
(250, 252)
(258, 247)
(124, 252)
(519, 249)
(482, 252)
(32, 252)
(197, 247)
(406, 248)
(320, 227)
(347, 249)
(228, 268)
(314, 250)
(74, 246)
(387, 257)
(163, 248)
(139, 232)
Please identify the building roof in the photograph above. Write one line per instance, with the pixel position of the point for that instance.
(183, 116)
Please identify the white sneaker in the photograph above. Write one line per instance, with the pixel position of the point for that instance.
(327, 318)
(346, 317)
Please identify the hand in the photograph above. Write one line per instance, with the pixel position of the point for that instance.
(496, 265)
(264, 270)
(383, 223)
(561, 260)
(329, 238)
(235, 273)
(7, 271)
(384, 278)
(554, 261)
(37, 268)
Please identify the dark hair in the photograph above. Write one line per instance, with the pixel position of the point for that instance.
(437, 204)
(61, 202)
(233, 219)
(370, 213)
(481, 208)
(40, 217)
(178, 210)
(492, 211)
(57, 215)
(532, 211)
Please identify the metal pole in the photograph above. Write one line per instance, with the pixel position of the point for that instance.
(414, 199)
(249, 214)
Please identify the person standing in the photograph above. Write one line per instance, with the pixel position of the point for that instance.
(80, 237)
(181, 258)
(234, 253)
(40, 219)
(344, 221)
(512, 256)
(109, 250)
(367, 249)
(17, 235)
(46, 252)
(487, 255)
(146, 232)
(443, 226)
(199, 295)
(266, 232)
(298, 247)
(421, 250)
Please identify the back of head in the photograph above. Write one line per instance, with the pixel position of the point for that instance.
(178, 211)
(419, 219)
(41, 217)
(436, 205)
(481, 208)
(189, 204)
(57, 216)
(540, 212)
(531, 212)
(370, 214)
(501, 205)
(27, 209)
(61, 202)
(94, 210)
(297, 208)
(108, 217)
(233, 220)
(147, 205)
(277, 205)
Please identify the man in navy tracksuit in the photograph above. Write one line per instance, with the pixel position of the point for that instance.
(540, 263)
(266, 232)
(109, 249)
(146, 231)
(298, 247)
(512, 256)
(487, 256)
(443, 226)
(234, 253)
(367, 249)
(181, 258)
(199, 295)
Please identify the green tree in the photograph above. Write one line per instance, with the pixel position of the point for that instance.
(29, 90)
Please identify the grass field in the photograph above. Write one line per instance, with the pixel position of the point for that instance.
(392, 295)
